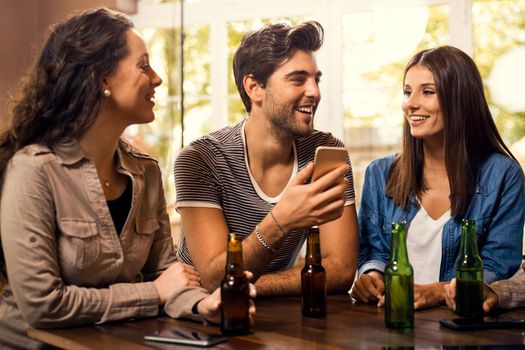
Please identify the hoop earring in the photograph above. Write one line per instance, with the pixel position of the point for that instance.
(106, 92)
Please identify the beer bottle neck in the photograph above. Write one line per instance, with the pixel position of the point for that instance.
(398, 250)
(313, 247)
(469, 242)
(234, 262)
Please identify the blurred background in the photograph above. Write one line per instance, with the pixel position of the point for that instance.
(367, 44)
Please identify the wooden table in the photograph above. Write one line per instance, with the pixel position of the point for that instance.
(279, 325)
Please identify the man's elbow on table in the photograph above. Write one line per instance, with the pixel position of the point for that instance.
(340, 278)
(211, 275)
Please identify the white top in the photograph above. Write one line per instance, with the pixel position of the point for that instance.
(424, 246)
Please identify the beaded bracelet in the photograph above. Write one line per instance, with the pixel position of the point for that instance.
(262, 241)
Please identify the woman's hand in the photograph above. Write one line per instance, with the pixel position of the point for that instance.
(425, 295)
(175, 277)
(491, 298)
(428, 295)
(210, 307)
(369, 288)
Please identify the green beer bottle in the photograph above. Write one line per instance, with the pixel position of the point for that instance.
(235, 298)
(469, 274)
(313, 278)
(399, 282)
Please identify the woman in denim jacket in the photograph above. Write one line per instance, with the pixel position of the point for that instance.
(453, 165)
(84, 227)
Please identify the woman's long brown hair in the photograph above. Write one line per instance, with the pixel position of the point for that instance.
(61, 94)
(469, 131)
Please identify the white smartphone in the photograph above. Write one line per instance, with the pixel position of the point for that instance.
(327, 159)
(178, 335)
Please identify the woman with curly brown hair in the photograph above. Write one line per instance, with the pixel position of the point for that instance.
(83, 222)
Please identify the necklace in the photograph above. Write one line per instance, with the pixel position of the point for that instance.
(104, 181)
(111, 175)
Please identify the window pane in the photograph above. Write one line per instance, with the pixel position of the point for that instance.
(376, 46)
(176, 2)
(499, 52)
(197, 83)
(162, 137)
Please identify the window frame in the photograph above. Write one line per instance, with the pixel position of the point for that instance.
(327, 12)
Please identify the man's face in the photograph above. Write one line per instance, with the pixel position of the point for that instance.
(291, 96)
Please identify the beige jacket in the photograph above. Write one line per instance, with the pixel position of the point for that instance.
(66, 264)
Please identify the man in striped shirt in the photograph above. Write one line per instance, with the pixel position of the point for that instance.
(251, 178)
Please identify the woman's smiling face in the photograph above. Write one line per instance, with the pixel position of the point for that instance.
(421, 105)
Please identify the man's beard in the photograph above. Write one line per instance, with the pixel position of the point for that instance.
(282, 121)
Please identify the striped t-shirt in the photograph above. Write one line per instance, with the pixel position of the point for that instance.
(213, 172)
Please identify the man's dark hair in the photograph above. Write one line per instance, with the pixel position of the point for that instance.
(262, 51)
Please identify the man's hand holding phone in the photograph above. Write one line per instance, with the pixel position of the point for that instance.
(320, 201)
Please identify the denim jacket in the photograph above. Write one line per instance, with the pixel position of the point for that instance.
(498, 207)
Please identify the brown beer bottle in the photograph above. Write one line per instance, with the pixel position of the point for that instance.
(235, 298)
(313, 278)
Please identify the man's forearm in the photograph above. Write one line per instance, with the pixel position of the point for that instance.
(256, 256)
(339, 279)
(259, 250)
(213, 273)
(256, 260)
(282, 283)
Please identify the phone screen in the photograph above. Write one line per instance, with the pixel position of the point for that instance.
(186, 336)
(483, 323)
